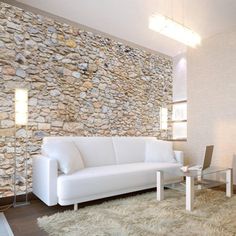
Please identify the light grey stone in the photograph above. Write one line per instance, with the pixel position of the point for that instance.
(82, 95)
(40, 134)
(44, 126)
(7, 123)
(76, 74)
(33, 30)
(57, 123)
(55, 92)
(83, 66)
(20, 72)
(20, 58)
(95, 91)
(21, 133)
(18, 38)
(57, 57)
(2, 44)
(33, 101)
(40, 119)
(51, 29)
(12, 25)
(105, 109)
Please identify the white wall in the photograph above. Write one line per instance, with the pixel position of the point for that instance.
(211, 91)
(179, 77)
(180, 87)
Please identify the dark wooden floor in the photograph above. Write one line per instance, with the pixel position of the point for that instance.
(23, 220)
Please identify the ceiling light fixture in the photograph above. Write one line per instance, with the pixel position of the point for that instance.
(166, 26)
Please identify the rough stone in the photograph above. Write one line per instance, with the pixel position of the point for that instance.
(3, 115)
(66, 72)
(83, 66)
(76, 75)
(14, 26)
(33, 101)
(33, 30)
(71, 43)
(18, 38)
(44, 126)
(87, 85)
(51, 29)
(20, 58)
(80, 84)
(92, 67)
(21, 133)
(20, 72)
(57, 123)
(7, 132)
(82, 95)
(8, 70)
(2, 44)
(102, 86)
(40, 134)
(40, 119)
(54, 92)
(7, 123)
(97, 104)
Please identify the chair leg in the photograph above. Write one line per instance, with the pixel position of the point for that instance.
(75, 207)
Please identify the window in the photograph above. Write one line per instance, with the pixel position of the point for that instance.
(179, 120)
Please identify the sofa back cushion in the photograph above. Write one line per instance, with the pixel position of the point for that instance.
(96, 151)
(159, 151)
(101, 151)
(130, 149)
(67, 155)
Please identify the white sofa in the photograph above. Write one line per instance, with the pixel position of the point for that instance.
(112, 166)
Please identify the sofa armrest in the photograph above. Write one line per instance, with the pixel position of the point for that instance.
(179, 156)
(45, 179)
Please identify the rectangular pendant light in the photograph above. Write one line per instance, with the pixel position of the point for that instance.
(174, 30)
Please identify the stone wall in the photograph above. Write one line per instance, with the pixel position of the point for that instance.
(79, 83)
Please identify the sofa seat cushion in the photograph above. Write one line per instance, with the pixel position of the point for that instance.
(105, 179)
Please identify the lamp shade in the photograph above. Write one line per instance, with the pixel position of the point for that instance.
(21, 106)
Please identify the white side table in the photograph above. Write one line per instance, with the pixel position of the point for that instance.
(190, 184)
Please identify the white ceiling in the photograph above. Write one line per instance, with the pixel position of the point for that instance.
(128, 19)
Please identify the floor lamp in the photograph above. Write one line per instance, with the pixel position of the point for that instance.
(21, 119)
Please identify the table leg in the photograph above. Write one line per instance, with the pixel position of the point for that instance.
(160, 186)
(229, 182)
(189, 193)
(75, 207)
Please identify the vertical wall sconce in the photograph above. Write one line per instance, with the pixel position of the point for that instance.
(163, 118)
(21, 119)
(21, 106)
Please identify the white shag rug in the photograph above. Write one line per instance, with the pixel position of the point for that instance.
(141, 215)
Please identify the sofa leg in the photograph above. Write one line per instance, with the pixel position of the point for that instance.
(75, 207)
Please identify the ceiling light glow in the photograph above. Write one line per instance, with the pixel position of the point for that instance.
(174, 30)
